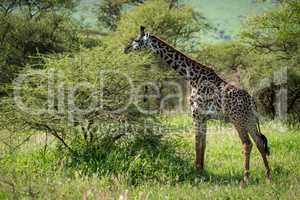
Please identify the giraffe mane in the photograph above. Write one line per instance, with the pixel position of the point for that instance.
(198, 64)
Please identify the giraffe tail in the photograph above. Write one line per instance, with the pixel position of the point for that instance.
(264, 139)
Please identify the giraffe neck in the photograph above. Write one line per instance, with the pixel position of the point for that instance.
(187, 67)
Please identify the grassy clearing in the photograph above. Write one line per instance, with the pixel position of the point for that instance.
(164, 173)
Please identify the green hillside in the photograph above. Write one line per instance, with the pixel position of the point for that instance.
(227, 15)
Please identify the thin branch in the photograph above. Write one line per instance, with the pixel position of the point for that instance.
(9, 8)
(14, 148)
(52, 132)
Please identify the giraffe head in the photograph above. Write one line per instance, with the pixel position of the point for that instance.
(139, 42)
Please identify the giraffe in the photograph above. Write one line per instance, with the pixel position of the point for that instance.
(211, 98)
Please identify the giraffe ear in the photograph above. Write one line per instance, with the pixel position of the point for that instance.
(142, 30)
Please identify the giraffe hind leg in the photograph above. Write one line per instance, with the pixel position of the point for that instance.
(265, 140)
(247, 147)
(262, 145)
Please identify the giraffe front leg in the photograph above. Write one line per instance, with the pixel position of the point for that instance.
(261, 143)
(200, 142)
(247, 146)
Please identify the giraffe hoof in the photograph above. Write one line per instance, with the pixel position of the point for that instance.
(246, 177)
(244, 183)
(200, 168)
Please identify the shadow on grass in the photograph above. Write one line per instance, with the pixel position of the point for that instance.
(143, 160)
(280, 171)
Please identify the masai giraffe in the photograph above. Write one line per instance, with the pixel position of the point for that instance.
(211, 98)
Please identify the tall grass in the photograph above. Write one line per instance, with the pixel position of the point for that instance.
(157, 169)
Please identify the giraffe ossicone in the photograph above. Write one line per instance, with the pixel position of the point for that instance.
(211, 98)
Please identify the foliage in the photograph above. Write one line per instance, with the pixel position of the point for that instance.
(265, 60)
(29, 28)
(80, 95)
(109, 11)
(177, 25)
(278, 33)
(227, 57)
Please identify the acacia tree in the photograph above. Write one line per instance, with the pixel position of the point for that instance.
(89, 129)
(268, 43)
(277, 34)
(109, 11)
(29, 28)
(229, 58)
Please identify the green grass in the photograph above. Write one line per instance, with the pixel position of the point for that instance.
(166, 172)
